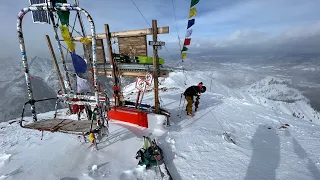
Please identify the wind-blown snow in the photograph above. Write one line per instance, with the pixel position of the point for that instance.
(194, 147)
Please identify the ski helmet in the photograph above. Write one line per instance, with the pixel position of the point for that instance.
(203, 89)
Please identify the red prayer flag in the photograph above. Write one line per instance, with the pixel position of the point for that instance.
(187, 41)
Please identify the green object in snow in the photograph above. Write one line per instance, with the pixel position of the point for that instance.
(149, 160)
(148, 60)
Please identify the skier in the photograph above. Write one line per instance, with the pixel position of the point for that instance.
(193, 91)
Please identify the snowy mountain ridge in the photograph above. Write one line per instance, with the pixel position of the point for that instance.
(277, 89)
(194, 147)
(13, 87)
(278, 92)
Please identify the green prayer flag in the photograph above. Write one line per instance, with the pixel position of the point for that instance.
(63, 15)
(184, 48)
(194, 2)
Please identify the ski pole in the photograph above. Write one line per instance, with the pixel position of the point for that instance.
(182, 109)
(180, 103)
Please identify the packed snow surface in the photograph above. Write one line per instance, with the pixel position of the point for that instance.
(237, 134)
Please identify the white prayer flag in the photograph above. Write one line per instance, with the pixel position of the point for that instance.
(82, 85)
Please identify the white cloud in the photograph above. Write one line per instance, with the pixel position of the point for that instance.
(236, 24)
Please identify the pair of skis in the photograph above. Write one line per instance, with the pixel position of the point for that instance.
(161, 168)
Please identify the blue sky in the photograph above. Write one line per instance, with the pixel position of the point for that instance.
(254, 25)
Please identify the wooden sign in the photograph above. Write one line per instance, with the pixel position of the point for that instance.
(156, 43)
(101, 57)
(133, 46)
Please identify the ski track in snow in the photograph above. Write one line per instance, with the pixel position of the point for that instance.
(194, 147)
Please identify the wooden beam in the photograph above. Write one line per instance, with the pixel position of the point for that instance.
(112, 63)
(155, 67)
(129, 33)
(56, 66)
(132, 74)
(133, 46)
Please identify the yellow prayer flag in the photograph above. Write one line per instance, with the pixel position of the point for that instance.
(66, 37)
(183, 55)
(85, 41)
(193, 12)
(91, 138)
(71, 45)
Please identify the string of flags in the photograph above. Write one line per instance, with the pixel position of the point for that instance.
(64, 19)
(191, 22)
(79, 64)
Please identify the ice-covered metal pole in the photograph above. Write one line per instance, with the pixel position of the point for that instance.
(61, 7)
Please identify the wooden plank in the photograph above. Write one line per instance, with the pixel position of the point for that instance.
(55, 64)
(62, 125)
(132, 74)
(101, 57)
(129, 33)
(133, 46)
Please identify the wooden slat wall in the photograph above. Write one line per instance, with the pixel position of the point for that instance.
(129, 33)
(133, 46)
(101, 57)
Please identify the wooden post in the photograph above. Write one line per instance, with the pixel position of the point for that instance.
(114, 75)
(155, 66)
(56, 66)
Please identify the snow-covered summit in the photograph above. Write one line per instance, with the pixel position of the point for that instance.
(194, 147)
(276, 89)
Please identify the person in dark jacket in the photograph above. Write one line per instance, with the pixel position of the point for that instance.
(189, 94)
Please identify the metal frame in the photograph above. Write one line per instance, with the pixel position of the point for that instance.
(52, 8)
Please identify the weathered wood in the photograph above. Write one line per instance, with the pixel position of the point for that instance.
(56, 66)
(133, 74)
(129, 33)
(155, 67)
(133, 46)
(62, 125)
(101, 57)
(111, 59)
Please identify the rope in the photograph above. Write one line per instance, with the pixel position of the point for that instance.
(141, 13)
(158, 37)
(80, 19)
(74, 24)
(80, 34)
(175, 19)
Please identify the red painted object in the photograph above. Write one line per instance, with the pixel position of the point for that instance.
(76, 108)
(133, 116)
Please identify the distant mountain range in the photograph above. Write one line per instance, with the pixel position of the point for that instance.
(45, 84)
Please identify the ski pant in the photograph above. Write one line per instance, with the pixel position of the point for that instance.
(189, 104)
